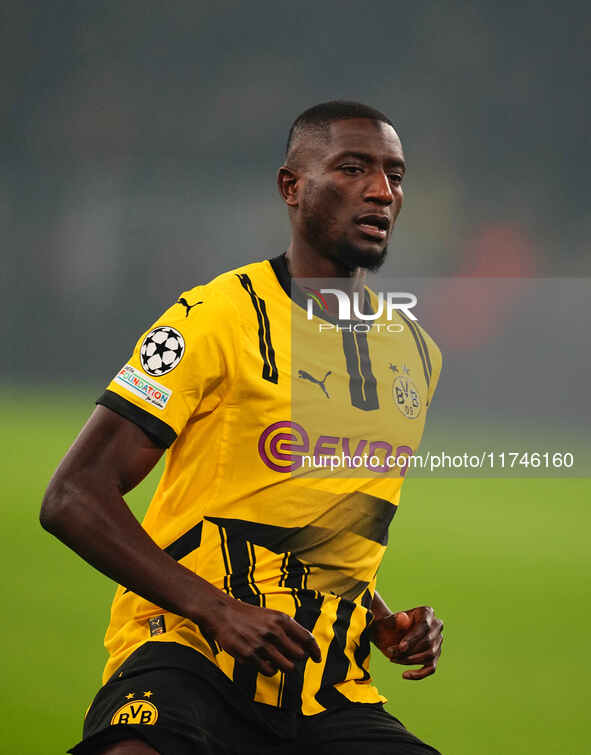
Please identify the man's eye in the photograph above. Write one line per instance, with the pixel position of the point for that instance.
(395, 178)
(351, 170)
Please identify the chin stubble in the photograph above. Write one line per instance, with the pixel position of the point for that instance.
(352, 257)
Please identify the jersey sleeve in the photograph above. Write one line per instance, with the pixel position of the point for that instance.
(183, 364)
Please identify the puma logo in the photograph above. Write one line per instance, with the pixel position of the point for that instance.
(306, 376)
(186, 304)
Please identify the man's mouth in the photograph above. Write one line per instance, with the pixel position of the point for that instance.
(374, 225)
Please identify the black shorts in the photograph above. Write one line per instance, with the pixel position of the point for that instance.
(174, 699)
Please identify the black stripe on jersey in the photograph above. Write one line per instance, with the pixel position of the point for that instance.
(185, 544)
(362, 650)
(378, 515)
(283, 570)
(293, 571)
(370, 384)
(251, 577)
(367, 600)
(225, 556)
(420, 345)
(294, 574)
(306, 614)
(239, 561)
(181, 547)
(307, 572)
(362, 381)
(158, 431)
(425, 349)
(337, 663)
(270, 371)
(297, 540)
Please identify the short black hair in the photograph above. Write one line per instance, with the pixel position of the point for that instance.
(322, 115)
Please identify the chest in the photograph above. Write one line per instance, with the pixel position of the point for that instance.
(336, 390)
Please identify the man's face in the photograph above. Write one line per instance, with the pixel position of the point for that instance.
(351, 192)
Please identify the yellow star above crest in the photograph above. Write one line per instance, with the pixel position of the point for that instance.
(131, 694)
(149, 693)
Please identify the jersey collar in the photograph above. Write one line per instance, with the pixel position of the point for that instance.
(295, 293)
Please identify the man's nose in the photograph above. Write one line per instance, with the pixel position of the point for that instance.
(379, 189)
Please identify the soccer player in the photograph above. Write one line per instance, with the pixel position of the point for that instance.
(247, 600)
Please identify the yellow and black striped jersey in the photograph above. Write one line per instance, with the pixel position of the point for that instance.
(253, 397)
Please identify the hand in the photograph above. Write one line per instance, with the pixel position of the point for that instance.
(410, 638)
(271, 640)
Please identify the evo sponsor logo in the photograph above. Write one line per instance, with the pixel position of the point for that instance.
(147, 389)
(286, 446)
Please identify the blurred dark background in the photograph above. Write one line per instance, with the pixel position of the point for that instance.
(140, 140)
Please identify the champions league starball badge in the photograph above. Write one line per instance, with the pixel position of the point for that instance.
(161, 350)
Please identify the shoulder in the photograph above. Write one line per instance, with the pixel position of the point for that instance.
(229, 291)
(222, 297)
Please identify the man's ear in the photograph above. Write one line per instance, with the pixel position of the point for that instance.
(287, 183)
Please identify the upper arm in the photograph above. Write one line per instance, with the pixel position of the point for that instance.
(109, 451)
(181, 367)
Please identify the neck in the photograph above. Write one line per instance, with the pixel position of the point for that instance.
(307, 263)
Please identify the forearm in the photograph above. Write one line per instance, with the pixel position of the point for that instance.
(379, 607)
(100, 527)
(85, 509)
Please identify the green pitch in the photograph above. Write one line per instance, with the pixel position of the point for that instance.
(504, 562)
